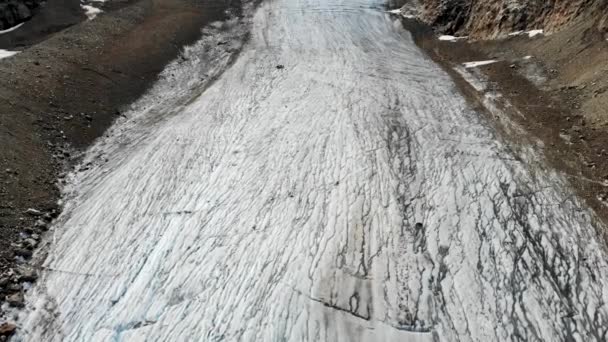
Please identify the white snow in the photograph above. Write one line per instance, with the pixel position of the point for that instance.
(90, 11)
(11, 29)
(7, 53)
(477, 64)
(451, 38)
(352, 196)
(531, 33)
(400, 12)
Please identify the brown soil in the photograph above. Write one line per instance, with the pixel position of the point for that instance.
(58, 96)
(560, 91)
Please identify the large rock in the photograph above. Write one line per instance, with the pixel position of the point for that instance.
(7, 329)
(13, 12)
(28, 275)
(16, 300)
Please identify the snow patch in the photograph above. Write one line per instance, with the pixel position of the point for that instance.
(535, 33)
(449, 38)
(90, 11)
(400, 12)
(7, 53)
(476, 64)
(11, 29)
(531, 33)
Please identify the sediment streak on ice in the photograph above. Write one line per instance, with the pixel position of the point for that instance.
(350, 196)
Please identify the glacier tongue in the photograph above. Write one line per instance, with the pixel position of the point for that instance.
(348, 195)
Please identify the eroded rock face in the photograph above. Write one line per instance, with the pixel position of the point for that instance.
(13, 12)
(493, 18)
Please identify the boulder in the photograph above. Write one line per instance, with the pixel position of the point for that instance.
(28, 275)
(16, 300)
(7, 329)
(23, 253)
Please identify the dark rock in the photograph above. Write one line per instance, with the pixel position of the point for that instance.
(23, 253)
(23, 11)
(33, 212)
(13, 287)
(13, 12)
(41, 224)
(30, 243)
(7, 329)
(28, 275)
(16, 300)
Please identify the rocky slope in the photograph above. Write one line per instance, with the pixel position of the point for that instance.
(13, 12)
(556, 83)
(491, 19)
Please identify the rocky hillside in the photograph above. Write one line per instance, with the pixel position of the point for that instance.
(493, 18)
(13, 12)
